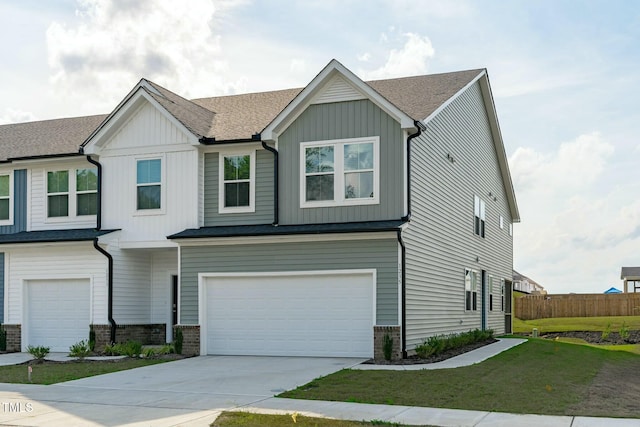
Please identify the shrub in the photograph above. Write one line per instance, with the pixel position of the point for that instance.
(438, 344)
(624, 331)
(166, 349)
(387, 346)
(130, 348)
(39, 352)
(80, 349)
(149, 352)
(177, 341)
(606, 332)
(3, 339)
(92, 339)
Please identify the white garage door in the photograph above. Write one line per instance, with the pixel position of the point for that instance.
(322, 314)
(57, 313)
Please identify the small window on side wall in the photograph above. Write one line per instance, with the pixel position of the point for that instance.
(149, 184)
(479, 210)
(86, 191)
(5, 198)
(470, 290)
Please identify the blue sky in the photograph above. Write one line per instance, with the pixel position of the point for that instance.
(565, 76)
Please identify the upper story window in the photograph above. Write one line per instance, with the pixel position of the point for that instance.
(237, 182)
(148, 184)
(72, 193)
(479, 213)
(470, 290)
(340, 172)
(5, 199)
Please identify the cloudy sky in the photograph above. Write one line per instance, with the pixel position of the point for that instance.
(565, 76)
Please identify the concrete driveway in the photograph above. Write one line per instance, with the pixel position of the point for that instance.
(185, 392)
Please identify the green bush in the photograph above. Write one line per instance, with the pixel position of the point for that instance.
(177, 341)
(624, 331)
(39, 352)
(387, 346)
(438, 344)
(92, 339)
(130, 348)
(149, 352)
(3, 339)
(606, 332)
(166, 349)
(80, 349)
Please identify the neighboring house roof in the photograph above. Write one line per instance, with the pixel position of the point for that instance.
(518, 277)
(74, 235)
(271, 230)
(46, 138)
(630, 272)
(613, 290)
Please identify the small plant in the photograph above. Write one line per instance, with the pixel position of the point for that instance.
(92, 339)
(624, 331)
(387, 346)
(606, 332)
(109, 350)
(166, 349)
(149, 352)
(3, 338)
(39, 352)
(438, 344)
(177, 341)
(130, 349)
(80, 349)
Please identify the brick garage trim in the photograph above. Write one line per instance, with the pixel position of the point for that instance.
(190, 339)
(393, 332)
(146, 334)
(14, 337)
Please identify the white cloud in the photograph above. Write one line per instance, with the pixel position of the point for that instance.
(16, 116)
(411, 59)
(114, 43)
(298, 66)
(365, 57)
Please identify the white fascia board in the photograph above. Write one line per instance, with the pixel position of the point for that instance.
(291, 238)
(303, 99)
(123, 113)
(150, 244)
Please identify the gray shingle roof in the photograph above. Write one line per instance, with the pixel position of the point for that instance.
(75, 235)
(225, 117)
(629, 272)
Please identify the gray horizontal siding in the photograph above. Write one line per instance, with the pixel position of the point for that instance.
(19, 204)
(440, 239)
(264, 193)
(352, 119)
(380, 254)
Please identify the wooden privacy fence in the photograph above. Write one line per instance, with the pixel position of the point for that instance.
(577, 305)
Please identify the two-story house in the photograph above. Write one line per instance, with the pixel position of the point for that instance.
(307, 222)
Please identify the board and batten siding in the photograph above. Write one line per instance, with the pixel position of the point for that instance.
(38, 216)
(56, 262)
(381, 254)
(263, 193)
(19, 204)
(335, 121)
(440, 239)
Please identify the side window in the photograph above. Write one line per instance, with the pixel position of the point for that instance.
(58, 194)
(491, 290)
(86, 192)
(237, 182)
(5, 198)
(501, 294)
(471, 289)
(149, 184)
(479, 209)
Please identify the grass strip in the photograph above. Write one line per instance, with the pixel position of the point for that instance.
(248, 419)
(570, 324)
(537, 377)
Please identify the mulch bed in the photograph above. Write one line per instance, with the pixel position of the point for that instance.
(171, 356)
(415, 360)
(596, 337)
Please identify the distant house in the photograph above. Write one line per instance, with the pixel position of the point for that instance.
(524, 284)
(631, 278)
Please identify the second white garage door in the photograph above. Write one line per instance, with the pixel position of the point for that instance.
(58, 313)
(288, 314)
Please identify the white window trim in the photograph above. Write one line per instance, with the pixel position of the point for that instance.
(501, 222)
(9, 221)
(338, 180)
(252, 182)
(471, 273)
(479, 211)
(502, 300)
(163, 186)
(71, 194)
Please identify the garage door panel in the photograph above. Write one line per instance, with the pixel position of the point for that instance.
(57, 313)
(305, 315)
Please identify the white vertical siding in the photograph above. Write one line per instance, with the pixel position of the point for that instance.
(440, 239)
(56, 261)
(38, 198)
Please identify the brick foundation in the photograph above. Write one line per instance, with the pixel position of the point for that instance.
(190, 339)
(14, 337)
(152, 334)
(379, 333)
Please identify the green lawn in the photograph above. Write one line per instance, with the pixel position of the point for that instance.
(52, 372)
(567, 324)
(538, 377)
(246, 419)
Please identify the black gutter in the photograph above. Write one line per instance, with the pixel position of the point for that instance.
(403, 281)
(99, 192)
(420, 127)
(205, 140)
(109, 291)
(275, 181)
(45, 156)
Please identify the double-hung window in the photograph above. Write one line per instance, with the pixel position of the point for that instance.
(237, 182)
(471, 290)
(148, 184)
(501, 294)
(5, 199)
(72, 193)
(339, 172)
(479, 212)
